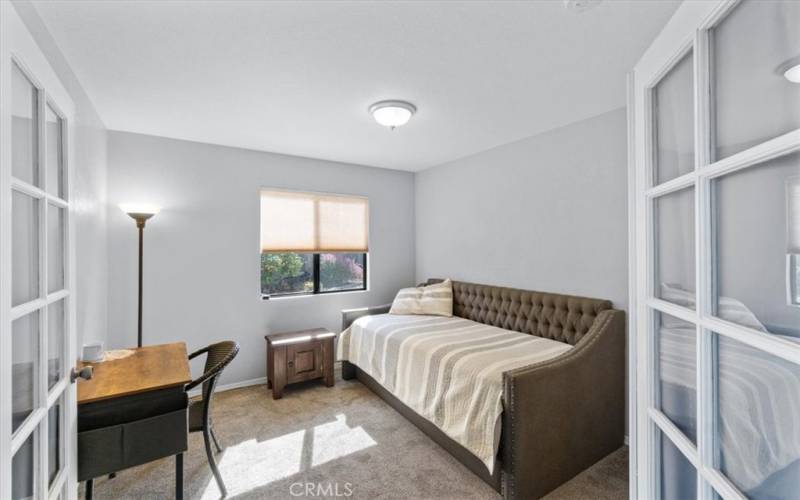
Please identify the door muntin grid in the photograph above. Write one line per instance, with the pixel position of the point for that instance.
(40, 290)
(717, 315)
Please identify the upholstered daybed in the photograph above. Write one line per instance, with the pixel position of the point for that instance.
(559, 416)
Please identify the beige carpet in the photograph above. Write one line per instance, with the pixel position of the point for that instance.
(318, 442)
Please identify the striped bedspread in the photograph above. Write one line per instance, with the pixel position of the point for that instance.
(759, 403)
(448, 370)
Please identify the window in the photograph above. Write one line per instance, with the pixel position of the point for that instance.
(793, 275)
(313, 243)
(793, 240)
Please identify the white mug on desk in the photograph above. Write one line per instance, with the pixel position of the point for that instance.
(92, 352)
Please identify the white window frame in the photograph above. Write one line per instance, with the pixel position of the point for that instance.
(792, 283)
(793, 249)
(688, 29)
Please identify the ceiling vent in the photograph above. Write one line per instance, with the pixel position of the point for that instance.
(579, 6)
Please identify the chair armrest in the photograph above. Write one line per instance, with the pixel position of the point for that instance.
(350, 315)
(219, 364)
(198, 352)
(565, 414)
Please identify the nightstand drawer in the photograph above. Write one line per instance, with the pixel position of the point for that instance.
(303, 361)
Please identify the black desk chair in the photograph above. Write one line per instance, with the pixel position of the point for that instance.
(218, 356)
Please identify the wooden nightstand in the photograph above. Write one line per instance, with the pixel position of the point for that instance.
(297, 357)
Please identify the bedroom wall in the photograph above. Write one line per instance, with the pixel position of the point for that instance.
(202, 258)
(89, 195)
(545, 213)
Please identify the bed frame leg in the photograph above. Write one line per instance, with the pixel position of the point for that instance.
(348, 370)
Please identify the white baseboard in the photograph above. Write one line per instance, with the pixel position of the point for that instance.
(337, 370)
(227, 387)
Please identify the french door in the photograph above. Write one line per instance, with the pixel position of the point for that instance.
(37, 317)
(716, 180)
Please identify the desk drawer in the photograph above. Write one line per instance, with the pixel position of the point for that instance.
(122, 410)
(113, 448)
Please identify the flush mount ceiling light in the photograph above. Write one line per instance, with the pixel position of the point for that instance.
(793, 74)
(579, 6)
(392, 113)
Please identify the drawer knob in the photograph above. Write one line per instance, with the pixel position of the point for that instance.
(290, 364)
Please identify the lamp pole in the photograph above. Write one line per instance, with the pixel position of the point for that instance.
(141, 219)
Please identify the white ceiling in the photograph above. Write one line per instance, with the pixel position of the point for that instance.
(298, 77)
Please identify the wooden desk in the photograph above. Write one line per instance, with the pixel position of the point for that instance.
(134, 410)
(147, 368)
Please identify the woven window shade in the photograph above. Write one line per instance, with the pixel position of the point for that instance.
(312, 222)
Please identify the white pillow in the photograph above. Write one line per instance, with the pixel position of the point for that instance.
(728, 308)
(436, 300)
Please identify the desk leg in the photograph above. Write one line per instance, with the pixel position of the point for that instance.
(89, 489)
(179, 476)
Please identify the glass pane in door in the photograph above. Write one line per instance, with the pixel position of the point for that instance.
(56, 320)
(677, 372)
(24, 367)
(674, 251)
(24, 135)
(55, 250)
(673, 106)
(23, 470)
(55, 443)
(757, 223)
(54, 161)
(752, 47)
(24, 248)
(758, 437)
(678, 475)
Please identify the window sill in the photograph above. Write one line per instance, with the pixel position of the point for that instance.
(267, 298)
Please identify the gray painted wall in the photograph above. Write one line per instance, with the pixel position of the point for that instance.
(89, 195)
(202, 274)
(545, 213)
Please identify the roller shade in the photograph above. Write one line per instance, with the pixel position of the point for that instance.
(313, 222)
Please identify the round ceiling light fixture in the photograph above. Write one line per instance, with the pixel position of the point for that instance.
(392, 114)
(793, 74)
(579, 6)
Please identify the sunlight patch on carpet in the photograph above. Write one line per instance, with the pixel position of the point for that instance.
(336, 440)
(252, 464)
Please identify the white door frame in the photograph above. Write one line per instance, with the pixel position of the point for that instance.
(17, 46)
(632, 298)
(688, 29)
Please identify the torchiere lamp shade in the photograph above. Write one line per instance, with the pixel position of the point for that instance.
(139, 212)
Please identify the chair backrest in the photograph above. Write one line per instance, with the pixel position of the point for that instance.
(218, 356)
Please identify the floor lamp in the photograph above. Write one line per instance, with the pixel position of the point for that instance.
(140, 213)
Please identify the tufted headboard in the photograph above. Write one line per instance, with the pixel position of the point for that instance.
(565, 318)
